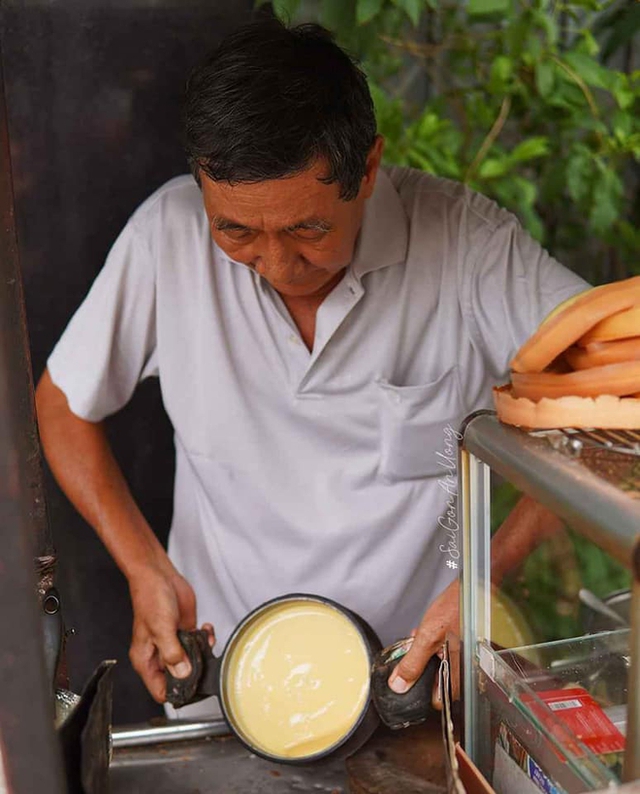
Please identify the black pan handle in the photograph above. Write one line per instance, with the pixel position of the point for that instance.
(204, 678)
(414, 706)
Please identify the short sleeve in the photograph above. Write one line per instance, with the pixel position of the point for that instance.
(511, 285)
(109, 345)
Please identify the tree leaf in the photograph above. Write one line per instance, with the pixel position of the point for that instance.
(607, 193)
(533, 51)
(388, 116)
(589, 43)
(624, 94)
(545, 77)
(500, 73)
(579, 172)
(589, 69)
(413, 8)
(419, 160)
(537, 146)
(486, 7)
(366, 10)
(493, 167)
(622, 124)
(285, 9)
(548, 23)
(428, 124)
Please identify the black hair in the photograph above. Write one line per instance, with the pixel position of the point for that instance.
(270, 100)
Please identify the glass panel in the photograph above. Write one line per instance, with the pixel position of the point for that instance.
(551, 676)
(553, 592)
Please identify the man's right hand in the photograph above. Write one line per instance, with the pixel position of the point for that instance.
(80, 457)
(163, 602)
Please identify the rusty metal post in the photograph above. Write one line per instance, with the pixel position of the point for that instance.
(29, 751)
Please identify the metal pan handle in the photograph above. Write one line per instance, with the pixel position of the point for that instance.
(204, 678)
(413, 707)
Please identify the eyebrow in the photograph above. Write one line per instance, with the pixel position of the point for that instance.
(313, 224)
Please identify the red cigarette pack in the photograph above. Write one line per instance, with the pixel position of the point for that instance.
(580, 713)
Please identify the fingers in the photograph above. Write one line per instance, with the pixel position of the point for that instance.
(208, 627)
(172, 654)
(148, 659)
(440, 619)
(155, 681)
(144, 660)
(163, 602)
(411, 666)
(153, 651)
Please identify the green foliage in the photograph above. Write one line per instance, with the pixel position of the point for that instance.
(619, 25)
(515, 98)
(285, 9)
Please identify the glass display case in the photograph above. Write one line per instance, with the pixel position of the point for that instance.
(550, 646)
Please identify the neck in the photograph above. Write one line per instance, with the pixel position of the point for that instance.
(315, 298)
(303, 308)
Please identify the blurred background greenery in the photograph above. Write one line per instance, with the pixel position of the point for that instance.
(536, 104)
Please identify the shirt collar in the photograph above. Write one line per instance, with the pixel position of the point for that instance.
(384, 234)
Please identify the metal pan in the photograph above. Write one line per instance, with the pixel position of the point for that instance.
(213, 675)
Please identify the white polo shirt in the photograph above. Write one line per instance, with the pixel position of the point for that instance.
(322, 472)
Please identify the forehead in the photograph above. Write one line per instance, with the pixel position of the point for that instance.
(277, 202)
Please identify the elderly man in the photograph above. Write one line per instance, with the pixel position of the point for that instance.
(319, 325)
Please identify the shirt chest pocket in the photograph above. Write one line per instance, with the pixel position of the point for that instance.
(418, 428)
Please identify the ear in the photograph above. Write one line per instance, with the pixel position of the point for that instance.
(371, 169)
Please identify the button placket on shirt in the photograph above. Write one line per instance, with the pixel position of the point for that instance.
(331, 314)
(291, 349)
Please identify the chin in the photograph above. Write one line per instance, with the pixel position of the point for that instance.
(296, 290)
(306, 289)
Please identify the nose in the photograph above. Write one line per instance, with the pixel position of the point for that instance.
(272, 254)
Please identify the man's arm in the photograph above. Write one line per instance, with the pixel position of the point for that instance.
(527, 525)
(81, 460)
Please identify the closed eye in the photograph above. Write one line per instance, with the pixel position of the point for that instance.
(239, 234)
(309, 234)
(234, 231)
(310, 231)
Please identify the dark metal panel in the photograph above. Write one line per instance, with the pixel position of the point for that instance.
(19, 362)
(218, 766)
(28, 742)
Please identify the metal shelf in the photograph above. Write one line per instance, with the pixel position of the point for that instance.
(581, 490)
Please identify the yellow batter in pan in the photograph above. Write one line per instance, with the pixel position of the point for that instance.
(298, 679)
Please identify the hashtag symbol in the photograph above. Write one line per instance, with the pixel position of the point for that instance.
(452, 564)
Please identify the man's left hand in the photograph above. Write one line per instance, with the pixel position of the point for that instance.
(441, 622)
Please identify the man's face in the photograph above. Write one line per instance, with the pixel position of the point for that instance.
(295, 232)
